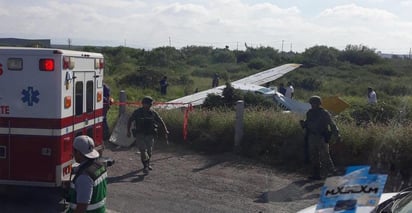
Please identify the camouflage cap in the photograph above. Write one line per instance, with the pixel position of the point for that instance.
(315, 100)
(147, 100)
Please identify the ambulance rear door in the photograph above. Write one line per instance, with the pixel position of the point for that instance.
(84, 102)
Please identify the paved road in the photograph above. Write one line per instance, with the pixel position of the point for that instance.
(183, 181)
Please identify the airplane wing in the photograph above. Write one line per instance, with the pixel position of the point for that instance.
(193, 99)
(257, 79)
(267, 75)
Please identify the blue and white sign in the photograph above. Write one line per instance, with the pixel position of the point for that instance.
(356, 191)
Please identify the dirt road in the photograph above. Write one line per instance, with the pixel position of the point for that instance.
(185, 181)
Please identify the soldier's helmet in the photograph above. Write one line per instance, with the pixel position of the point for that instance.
(315, 100)
(147, 100)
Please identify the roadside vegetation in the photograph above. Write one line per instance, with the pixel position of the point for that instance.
(377, 135)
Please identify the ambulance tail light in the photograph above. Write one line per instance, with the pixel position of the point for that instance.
(99, 96)
(67, 170)
(68, 63)
(99, 63)
(67, 102)
(46, 64)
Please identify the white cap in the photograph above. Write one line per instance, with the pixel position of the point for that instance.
(85, 145)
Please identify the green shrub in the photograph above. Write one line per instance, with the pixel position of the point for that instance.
(374, 113)
(257, 64)
(223, 56)
(213, 101)
(310, 84)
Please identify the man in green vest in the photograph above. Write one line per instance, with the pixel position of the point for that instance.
(88, 185)
(146, 122)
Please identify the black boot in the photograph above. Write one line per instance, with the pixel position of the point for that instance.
(145, 167)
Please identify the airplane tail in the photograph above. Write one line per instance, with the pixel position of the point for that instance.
(291, 104)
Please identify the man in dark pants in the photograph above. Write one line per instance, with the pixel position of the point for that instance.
(319, 129)
(147, 121)
(107, 102)
(163, 85)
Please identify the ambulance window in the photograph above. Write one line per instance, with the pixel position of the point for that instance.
(3, 152)
(79, 98)
(15, 64)
(89, 96)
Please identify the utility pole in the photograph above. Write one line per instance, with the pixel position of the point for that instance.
(69, 41)
(282, 45)
(170, 42)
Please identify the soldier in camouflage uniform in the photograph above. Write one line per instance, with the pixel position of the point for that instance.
(147, 121)
(319, 129)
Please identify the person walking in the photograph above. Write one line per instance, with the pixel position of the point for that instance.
(146, 122)
(319, 128)
(87, 192)
(289, 90)
(107, 102)
(163, 85)
(372, 99)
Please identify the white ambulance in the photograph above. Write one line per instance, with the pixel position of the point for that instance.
(47, 97)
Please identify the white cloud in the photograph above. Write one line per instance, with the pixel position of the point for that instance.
(352, 24)
(407, 3)
(356, 14)
(143, 23)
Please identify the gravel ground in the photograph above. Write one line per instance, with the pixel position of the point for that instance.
(185, 181)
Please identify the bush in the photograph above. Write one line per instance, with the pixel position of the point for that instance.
(374, 113)
(310, 84)
(198, 60)
(320, 56)
(387, 71)
(213, 101)
(360, 55)
(257, 64)
(396, 89)
(223, 56)
(258, 101)
(143, 78)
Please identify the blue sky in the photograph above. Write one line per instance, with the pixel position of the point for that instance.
(296, 25)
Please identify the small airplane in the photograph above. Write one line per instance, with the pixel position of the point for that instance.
(252, 84)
